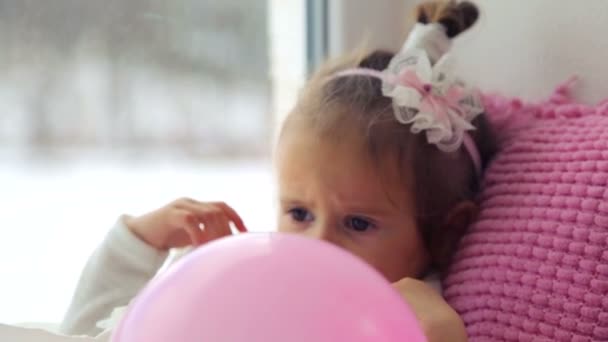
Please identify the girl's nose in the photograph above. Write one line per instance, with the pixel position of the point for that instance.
(324, 231)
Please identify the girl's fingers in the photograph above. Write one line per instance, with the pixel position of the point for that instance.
(185, 220)
(218, 226)
(202, 210)
(232, 215)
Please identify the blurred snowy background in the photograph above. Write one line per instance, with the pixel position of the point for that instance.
(111, 107)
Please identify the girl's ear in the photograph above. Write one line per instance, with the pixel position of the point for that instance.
(445, 239)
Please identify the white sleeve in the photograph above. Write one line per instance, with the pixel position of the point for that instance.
(119, 268)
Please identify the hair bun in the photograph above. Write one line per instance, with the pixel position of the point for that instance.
(455, 17)
(377, 60)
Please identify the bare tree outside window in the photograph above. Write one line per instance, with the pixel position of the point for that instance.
(137, 76)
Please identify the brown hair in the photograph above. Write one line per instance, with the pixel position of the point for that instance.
(455, 17)
(440, 180)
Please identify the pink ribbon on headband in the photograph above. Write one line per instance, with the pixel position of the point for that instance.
(443, 102)
(431, 101)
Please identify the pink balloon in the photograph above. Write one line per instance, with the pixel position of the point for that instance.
(269, 288)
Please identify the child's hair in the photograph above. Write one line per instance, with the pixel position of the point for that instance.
(332, 105)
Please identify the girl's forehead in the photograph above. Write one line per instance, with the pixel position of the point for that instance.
(309, 164)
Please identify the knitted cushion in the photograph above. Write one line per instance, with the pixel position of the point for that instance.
(535, 265)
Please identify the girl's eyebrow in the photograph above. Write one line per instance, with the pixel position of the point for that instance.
(372, 210)
(353, 207)
(291, 201)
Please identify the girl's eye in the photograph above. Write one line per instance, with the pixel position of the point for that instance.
(359, 224)
(300, 215)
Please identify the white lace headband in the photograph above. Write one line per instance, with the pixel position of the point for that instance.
(428, 96)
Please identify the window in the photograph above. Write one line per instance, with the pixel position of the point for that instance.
(112, 107)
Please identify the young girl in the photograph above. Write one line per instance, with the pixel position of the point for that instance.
(381, 156)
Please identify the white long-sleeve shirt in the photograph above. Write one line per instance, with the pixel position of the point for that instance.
(118, 269)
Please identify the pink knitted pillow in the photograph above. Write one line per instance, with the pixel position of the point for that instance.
(535, 265)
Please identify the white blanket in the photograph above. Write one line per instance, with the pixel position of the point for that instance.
(17, 334)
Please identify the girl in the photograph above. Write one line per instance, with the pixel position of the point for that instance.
(382, 156)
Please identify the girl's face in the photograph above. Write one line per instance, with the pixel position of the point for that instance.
(332, 191)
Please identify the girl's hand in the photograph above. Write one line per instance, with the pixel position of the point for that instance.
(185, 222)
(437, 319)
